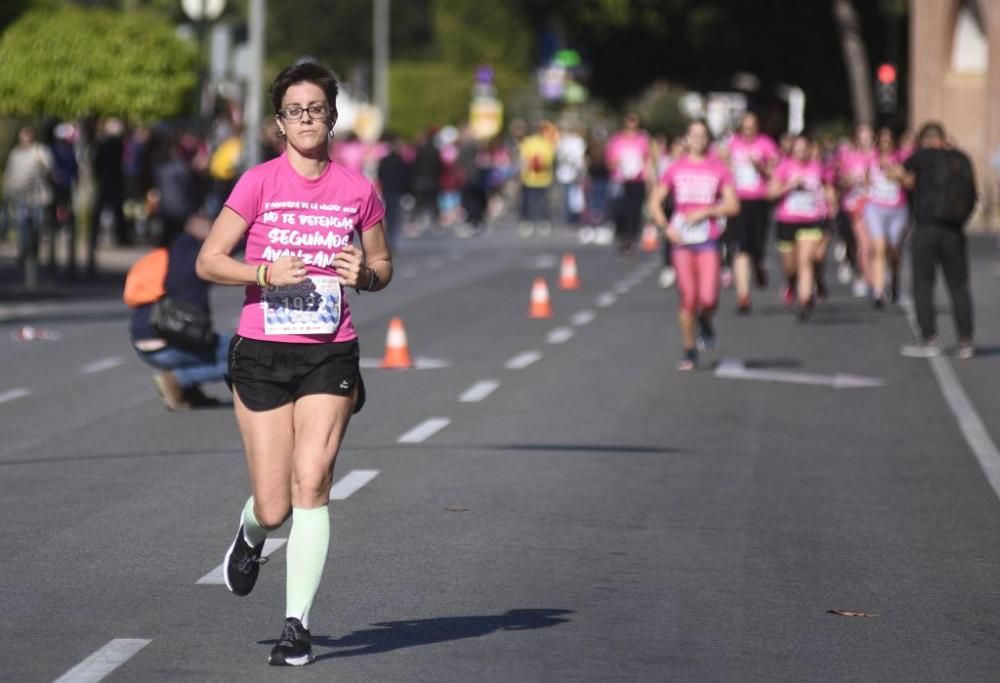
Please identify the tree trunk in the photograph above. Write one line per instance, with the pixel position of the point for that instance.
(856, 61)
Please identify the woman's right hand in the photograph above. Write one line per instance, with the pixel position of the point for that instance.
(287, 270)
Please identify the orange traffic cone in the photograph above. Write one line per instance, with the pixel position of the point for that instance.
(569, 278)
(649, 238)
(541, 307)
(397, 351)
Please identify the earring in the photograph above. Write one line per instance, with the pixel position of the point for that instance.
(330, 134)
(281, 133)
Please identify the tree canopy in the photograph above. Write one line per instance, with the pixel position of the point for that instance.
(68, 61)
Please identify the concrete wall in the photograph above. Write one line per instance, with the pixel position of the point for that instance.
(967, 104)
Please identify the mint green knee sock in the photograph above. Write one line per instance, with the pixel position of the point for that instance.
(308, 543)
(253, 532)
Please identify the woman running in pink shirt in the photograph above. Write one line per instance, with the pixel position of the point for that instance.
(703, 192)
(806, 199)
(886, 215)
(752, 158)
(852, 167)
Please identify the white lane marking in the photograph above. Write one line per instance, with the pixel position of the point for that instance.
(14, 394)
(102, 365)
(545, 261)
(424, 430)
(969, 422)
(559, 335)
(216, 575)
(523, 360)
(583, 317)
(98, 665)
(622, 288)
(606, 299)
(419, 363)
(735, 369)
(351, 483)
(478, 391)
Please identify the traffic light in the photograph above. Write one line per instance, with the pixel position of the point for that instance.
(886, 89)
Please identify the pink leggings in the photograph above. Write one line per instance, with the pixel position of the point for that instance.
(697, 277)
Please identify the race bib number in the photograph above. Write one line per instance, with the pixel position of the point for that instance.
(692, 233)
(802, 203)
(630, 165)
(885, 191)
(745, 175)
(310, 307)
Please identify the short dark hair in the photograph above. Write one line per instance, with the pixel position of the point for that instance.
(931, 128)
(309, 71)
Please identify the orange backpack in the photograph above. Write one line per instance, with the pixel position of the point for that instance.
(144, 283)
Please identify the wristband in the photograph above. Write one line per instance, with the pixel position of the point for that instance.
(261, 274)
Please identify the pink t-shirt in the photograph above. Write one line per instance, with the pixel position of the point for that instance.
(749, 181)
(881, 190)
(804, 204)
(627, 155)
(852, 166)
(312, 218)
(696, 184)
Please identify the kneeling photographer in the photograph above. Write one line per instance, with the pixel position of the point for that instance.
(171, 326)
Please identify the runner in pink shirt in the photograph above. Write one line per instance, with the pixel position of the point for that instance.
(703, 192)
(628, 156)
(752, 158)
(294, 362)
(805, 200)
(886, 215)
(852, 169)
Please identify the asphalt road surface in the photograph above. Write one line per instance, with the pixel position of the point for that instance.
(542, 500)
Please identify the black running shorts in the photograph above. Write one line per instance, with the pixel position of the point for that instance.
(268, 375)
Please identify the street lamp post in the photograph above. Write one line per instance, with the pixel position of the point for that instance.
(202, 13)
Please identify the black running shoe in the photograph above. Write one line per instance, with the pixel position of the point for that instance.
(295, 646)
(242, 564)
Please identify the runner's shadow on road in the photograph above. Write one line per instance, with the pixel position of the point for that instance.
(396, 635)
(771, 363)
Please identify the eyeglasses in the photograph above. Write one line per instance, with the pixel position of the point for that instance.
(294, 112)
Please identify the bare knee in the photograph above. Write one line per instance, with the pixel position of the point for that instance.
(311, 488)
(272, 514)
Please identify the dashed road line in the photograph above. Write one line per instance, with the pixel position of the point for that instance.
(605, 299)
(523, 360)
(14, 394)
(559, 335)
(478, 391)
(424, 430)
(351, 483)
(584, 317)
(102, 365)
(216, 577)
(98, 665)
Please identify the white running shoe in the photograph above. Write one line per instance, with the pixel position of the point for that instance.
(844, 273)
(921, 348)
(859, 289)
(668, 276)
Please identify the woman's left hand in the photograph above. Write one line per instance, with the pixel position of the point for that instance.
(349, 264)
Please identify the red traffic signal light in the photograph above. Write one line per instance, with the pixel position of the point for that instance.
(886, 73)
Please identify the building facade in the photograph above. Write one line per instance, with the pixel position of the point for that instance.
(955, 79)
